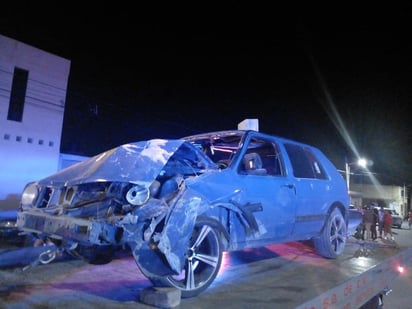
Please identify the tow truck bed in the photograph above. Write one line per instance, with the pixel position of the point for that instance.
(298, 278)
(287, 275)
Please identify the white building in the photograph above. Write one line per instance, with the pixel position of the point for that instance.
(33, 87)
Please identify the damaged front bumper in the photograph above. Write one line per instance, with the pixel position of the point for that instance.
(76, 229)
(140, 232)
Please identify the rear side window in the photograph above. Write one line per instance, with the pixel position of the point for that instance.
(304, 162)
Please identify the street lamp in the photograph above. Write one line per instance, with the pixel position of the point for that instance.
(362, 162)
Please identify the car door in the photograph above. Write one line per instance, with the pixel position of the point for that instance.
(261, 170)
(313, 189)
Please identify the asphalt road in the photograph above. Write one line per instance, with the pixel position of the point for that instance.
(268, 277)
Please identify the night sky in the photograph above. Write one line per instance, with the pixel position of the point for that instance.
(335, 77)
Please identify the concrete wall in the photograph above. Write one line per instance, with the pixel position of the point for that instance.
(30, 149)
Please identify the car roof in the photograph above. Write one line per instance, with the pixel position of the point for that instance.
(238, 134)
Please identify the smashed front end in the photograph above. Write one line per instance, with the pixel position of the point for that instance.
(122, 197)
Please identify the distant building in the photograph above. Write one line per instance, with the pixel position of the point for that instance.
(394, 197)
(33, 87)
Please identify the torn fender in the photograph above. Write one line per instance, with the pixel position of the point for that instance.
(167, 256)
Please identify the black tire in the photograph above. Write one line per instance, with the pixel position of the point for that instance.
(202, 260)
(96, 255)
(331, 243)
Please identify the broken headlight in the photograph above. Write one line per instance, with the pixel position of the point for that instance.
(29, 195)
(137, 195)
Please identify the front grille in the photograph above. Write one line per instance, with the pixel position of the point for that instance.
(45, 196)
(34, 222)
(81, 229)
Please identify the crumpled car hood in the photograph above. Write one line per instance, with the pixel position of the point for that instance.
(138, 162)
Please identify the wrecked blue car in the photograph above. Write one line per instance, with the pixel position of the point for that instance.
(178, 204)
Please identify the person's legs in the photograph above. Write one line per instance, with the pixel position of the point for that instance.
(368, 230)
(373, 231)
(380, 229)
(363, 231)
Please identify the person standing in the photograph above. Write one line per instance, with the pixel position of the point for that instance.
(381, 213)
(387, 225)
(368, 221)
(410, 219)
(374, 233)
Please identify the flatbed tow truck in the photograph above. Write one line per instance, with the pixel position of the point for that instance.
(289, 275)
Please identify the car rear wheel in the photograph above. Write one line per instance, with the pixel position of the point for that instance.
(202, 260)
(331, 243)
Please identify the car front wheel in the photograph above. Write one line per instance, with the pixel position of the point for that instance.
(332, 240)
(202, 260)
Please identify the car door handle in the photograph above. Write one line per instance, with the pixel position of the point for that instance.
(290, 186)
